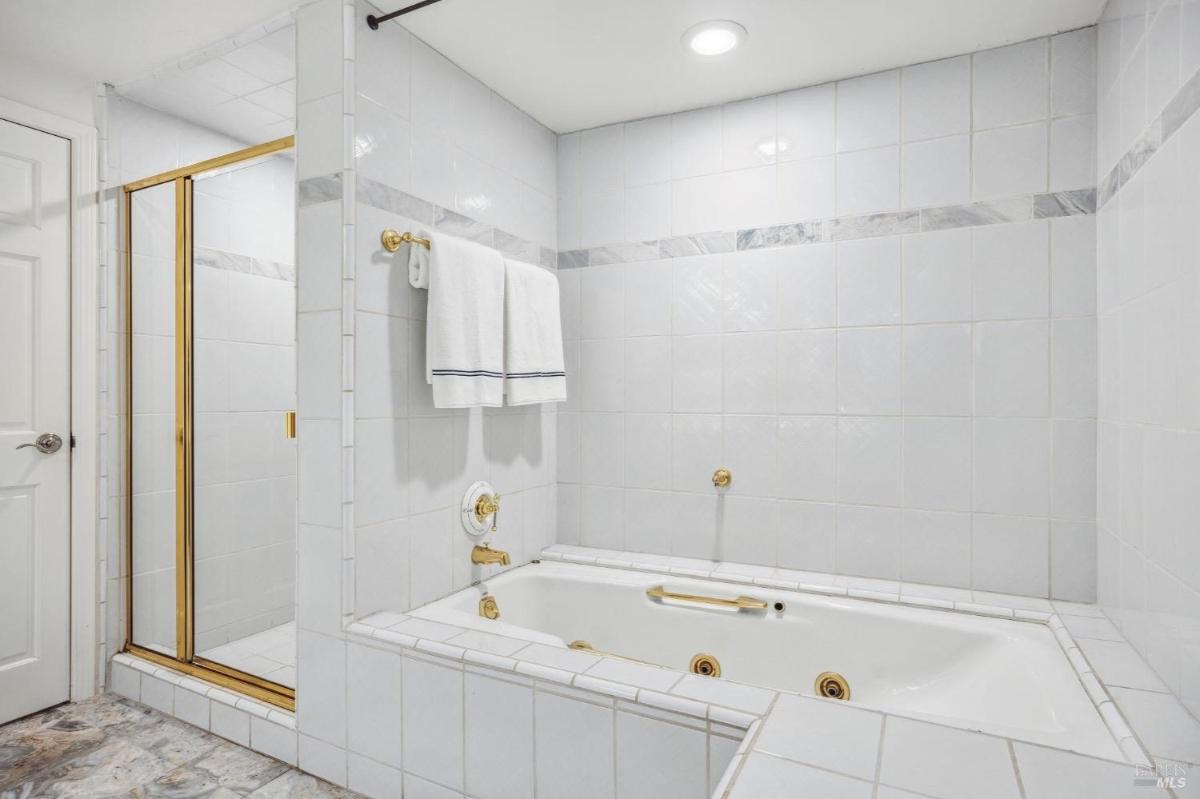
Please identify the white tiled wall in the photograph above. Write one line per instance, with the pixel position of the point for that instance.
(324, 386)
(426, 127)
(414, 461)
(382, 471)
(1149, 547)
(1147, 50)
(521, 736)
(916, 407)
(1016, 120)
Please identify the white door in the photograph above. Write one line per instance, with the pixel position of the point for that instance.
(35, 302)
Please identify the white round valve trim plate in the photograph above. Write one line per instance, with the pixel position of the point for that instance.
(472, 524)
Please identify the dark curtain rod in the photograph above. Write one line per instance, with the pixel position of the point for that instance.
(373, 21)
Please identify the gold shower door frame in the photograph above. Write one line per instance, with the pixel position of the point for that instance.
(185, 659)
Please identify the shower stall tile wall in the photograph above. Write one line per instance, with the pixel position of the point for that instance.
(1149, 344)
(916, 406)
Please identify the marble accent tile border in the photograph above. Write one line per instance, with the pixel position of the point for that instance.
(382, 196)
(1178, 111)
(393, 200)
(1024, 208)
(1064, 203)
(234, 262)
(312, 191)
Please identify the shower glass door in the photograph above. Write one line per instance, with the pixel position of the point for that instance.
(244, 376)
(210, 385)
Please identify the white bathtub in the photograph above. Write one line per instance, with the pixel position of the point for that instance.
(1001, 676)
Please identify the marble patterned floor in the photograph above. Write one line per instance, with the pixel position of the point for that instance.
(111, 747)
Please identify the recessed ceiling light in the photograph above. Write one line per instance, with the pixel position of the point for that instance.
(714, 37)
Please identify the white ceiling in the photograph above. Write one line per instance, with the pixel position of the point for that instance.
(575, 64)
(244, 86)
(54, 52)
(572, 64)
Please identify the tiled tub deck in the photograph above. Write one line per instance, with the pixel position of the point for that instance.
(539, 718)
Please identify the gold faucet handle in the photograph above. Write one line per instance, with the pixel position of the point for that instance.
(487, 505)
(495, 510)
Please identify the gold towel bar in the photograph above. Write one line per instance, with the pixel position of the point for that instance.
(392, 239)
(741, 602)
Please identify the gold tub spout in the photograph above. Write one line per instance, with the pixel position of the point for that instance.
(483, 554)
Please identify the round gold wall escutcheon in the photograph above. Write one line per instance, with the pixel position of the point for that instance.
(722, 478)
(391, 240)
(488, 607)
(832, 685)
(705, 665)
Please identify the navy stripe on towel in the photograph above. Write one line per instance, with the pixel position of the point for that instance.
(466, 372)
(486, 373)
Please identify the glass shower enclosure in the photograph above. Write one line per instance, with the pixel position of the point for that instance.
(210, 427)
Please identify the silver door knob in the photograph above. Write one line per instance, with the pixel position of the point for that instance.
(46, 443)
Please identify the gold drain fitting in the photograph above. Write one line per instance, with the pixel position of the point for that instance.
(832, 685)
(705, 665)
(488, 607)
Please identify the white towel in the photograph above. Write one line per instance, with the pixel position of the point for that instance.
(533, 350)
(464, 328)
(418, 264)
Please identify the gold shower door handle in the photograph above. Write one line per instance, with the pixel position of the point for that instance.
(741, 602)
(289, 424)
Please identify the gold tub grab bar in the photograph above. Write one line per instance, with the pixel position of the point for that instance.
(741, 602)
